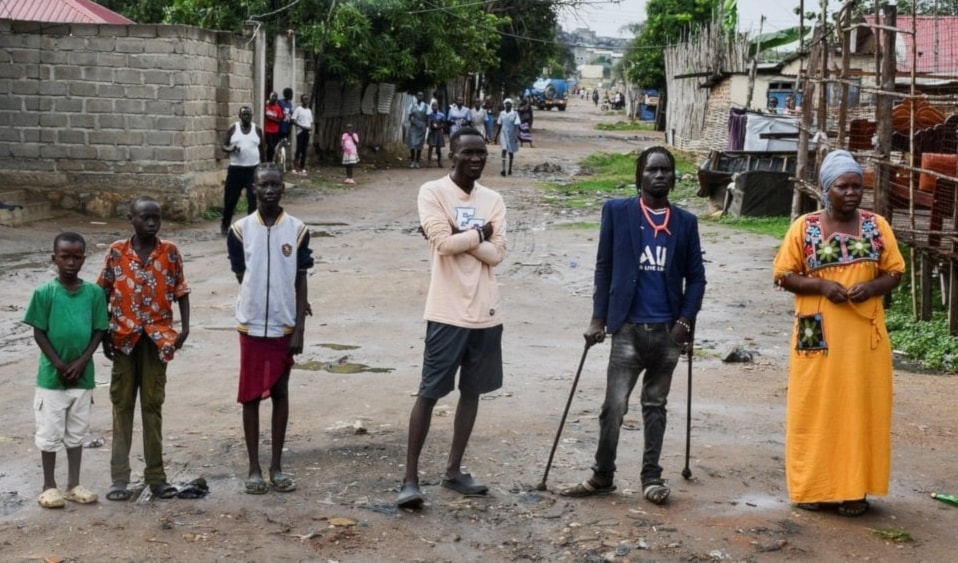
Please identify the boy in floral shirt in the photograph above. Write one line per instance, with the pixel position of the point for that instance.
(142, 278)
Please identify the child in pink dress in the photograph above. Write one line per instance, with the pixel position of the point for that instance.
(350, 142)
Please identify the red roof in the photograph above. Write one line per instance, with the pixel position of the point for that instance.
(927, 29)
(60, 11)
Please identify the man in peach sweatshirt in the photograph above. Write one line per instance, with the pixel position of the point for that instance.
(465, 224)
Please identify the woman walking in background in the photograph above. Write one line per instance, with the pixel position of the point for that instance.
(525, 122)
(416, 136)
(435, 139)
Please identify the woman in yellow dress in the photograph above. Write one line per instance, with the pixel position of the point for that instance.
(839, 262)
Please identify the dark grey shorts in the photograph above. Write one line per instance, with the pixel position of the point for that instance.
(475, 352)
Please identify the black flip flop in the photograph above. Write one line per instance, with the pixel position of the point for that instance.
(465, 485)
(410, 496)
(118, 492)
(163, 490)
(197, 488)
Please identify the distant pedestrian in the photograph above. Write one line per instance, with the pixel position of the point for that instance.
(246, 145)
(459, 116)
(436, 137)
(350, 146)
(286, 102)
(490, 121)
(773, 106)
(417, 123)
(69, 320)
(525, 122)
(302, 119)
(479, 116)
(507, 129)
(595, 97)
(274, 117)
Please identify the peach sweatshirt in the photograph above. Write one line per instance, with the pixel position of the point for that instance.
(463, 290)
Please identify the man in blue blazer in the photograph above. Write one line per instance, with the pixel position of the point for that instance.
(649, 284)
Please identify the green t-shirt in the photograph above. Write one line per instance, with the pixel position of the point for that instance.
(69, 319)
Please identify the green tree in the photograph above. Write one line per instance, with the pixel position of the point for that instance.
(928, 7)
(526, 45)
(416, 44)
(144, 11)
(563, 64)
(667, 21)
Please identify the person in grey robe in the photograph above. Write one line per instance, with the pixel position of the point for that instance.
(416, 133)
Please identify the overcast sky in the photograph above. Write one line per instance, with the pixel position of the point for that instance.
(607, 18)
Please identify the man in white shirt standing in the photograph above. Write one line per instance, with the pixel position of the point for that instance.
(245, 143)
(465, 224)
(303, 120)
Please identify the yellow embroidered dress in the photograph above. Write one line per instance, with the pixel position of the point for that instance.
(838, 421)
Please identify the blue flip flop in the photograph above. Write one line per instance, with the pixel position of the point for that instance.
(281, 482)
(255, 486)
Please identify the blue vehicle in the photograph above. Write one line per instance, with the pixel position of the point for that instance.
(548, 93)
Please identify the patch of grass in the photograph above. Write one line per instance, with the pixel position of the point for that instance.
(626, 126)
(927, 342)
(213, 213)
(892, 535)
(773, 226)
(610, 175)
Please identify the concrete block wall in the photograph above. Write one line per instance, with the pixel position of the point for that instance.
(92, 115)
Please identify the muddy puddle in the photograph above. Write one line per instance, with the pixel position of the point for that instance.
(341, 367)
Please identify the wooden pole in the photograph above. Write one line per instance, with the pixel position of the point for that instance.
(843, 22)
(753, 70)
(883, 125)
(822, 112)
(808, 106)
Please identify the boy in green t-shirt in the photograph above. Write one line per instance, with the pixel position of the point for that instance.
(69, 318)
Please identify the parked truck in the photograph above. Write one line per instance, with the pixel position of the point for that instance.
(548, 93)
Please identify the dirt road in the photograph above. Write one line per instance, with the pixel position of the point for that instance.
(354, 385)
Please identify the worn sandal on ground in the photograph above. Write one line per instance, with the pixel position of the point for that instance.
(656, 492)
(853, 508)
(255, 486)
(197, 488)
(118, 491)
(809, 506)
(163, 490)
(587, 488)
(465, 485)
(80, 495)
(410, 496)
(282, 483)
(51, 498)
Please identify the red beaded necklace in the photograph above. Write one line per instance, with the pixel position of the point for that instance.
(656, 229)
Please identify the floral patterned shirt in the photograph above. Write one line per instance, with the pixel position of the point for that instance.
(140, 295)
(841, 249)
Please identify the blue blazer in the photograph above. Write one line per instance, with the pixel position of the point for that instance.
(617, 261)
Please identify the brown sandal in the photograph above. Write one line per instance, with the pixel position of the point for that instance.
(587, 488)
(853, 508)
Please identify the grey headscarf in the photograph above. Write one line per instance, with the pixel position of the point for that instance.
(834, 165)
